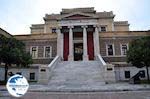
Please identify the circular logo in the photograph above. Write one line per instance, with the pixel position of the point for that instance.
(17, 85)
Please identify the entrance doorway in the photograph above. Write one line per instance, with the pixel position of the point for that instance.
(78, 51)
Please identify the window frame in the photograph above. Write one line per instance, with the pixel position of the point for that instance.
(125, 72)
(122, 54)
(33, 76)
(36, 52)
(113, 48)
(100, 28)
(44, 53)
(53, 30)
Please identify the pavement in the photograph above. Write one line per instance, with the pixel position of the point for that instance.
(107, 91)
(123, 86)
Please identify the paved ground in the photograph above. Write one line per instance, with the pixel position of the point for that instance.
(107, 91)
(77, 82)
(104, 87)
(84, 95)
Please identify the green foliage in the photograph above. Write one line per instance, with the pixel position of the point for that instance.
(26, 59)
(12, 52)
(139, 53)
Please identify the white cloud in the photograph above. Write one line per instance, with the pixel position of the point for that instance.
(18, 15)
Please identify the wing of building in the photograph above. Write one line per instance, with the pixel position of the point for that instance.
(30, 73)
(5, 33)
(82, 34)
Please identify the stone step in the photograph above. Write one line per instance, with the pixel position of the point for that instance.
(76, 63)
(76, 73)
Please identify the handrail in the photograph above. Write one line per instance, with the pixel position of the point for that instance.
(48, 70)
(101, 59)
(54, 62)
(108, 75)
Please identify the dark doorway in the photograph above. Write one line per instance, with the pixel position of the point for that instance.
(78, 51)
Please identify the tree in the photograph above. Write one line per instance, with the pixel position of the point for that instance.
(12, 52)
(139, 53)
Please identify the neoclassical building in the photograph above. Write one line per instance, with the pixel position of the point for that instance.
(82, 34)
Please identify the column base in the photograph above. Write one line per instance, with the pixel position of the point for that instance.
(70, 58)
(85, 58)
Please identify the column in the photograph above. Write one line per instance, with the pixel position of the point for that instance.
(62, 45)
(85, 54)
(45, 28)
(112, 26)
(96, 41)
(70, 57)
(59, 42)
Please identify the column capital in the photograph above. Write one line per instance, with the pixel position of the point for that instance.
(84, 26)
(96, 26)
(70, 26)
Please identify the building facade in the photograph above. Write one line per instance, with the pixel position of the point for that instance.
(81, 34)
(30, 73)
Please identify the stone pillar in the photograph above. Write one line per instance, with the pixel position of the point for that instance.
(70, 57)
(45, 28)
(113, 26)
(85, 53)
(59, 42)
(62, 45)
(96, 41)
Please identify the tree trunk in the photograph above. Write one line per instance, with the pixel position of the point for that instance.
(6, 71)
(147, 73)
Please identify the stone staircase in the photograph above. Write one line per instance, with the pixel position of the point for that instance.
(76, 75)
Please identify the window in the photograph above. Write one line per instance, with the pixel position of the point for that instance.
(110, 49)
(124, 48)
(34, 52)
(103, 28)
(47, 51)
(127, 74)
(32, 76)
(142, 72)
(54, 30)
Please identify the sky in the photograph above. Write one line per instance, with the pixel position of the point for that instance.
(17, 16)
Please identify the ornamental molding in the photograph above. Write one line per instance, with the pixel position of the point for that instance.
(77, 22)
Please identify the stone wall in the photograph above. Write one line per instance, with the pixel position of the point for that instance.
(117, 38)
(114, 59)
(121, 26)
(116, 41)
(2, 73)
(120, 72)
(40, 44)
(37, 28)
(24, 71)
(40, 40)
(108, 23)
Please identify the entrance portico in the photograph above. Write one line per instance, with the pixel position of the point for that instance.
(78, 42)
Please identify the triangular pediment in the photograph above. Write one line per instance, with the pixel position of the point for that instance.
(77, 15)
